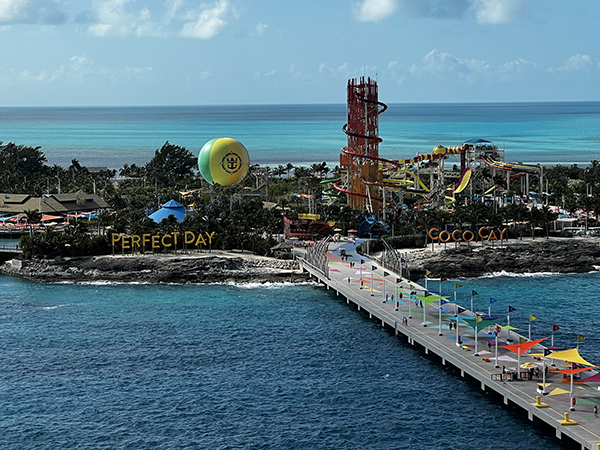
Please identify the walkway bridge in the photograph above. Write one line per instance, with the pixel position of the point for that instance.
(546, 400)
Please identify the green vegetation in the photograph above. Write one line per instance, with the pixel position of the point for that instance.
(248, 215)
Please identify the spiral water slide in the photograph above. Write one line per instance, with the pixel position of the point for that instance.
(391, 165)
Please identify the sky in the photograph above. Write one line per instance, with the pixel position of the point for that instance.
(189, 52)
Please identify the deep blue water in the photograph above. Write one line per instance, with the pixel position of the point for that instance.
(304, 134)
(226, 367)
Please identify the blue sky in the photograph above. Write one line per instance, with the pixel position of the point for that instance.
(187, 52)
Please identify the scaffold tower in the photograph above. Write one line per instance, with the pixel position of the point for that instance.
(359, 162)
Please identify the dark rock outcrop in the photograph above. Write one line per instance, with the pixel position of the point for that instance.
(532, 256)
(206, 268)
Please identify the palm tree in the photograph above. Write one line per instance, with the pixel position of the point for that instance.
(33, 216)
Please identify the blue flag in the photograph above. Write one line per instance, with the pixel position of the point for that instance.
(511, 309)
(492, 300)
(443, 302)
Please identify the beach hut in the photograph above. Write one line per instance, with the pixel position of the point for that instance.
(171, 208)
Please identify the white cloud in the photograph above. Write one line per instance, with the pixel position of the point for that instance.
(498, 11)
(112, 19)
(205, 75)
(31, 11)
(270, 73)
(516, 69)
(260, 29)
(374, 10)
(444, 63)
(577, 63)
(118, 18)
(485, 12)
(207, 23)
(80, 70)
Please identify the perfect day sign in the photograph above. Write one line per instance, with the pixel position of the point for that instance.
(161, 241)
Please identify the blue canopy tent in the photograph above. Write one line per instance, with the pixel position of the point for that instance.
(171, 208)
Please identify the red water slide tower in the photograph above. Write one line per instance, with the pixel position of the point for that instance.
(359, 161)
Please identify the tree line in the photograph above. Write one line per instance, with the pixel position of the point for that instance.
(238, 213)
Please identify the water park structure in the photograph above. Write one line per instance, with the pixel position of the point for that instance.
(376, 184)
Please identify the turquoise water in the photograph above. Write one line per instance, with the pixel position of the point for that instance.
(228, 367)
(304, 134)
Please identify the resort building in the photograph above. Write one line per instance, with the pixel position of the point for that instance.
(52, 204)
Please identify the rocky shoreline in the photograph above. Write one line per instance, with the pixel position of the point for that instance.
(527, 256)
(172, 269)
(515, 256)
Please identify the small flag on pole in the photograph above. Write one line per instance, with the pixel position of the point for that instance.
(580, 338)
(498, 329)
(492, 300)
(511, 309)
(443, 302)
(373, 268)
(398, 280)
(532, 318)
(522, 340)
(479, 319)
(456, 285)
(427, 273)
(474, 293)
(385, 274)
(555, 328)
(362, 261)
(443, 279)
(460, 309)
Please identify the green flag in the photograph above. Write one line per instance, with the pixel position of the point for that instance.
(474, 293)
(580, 338)
(456, 285)
(373, 268)
(385, 274)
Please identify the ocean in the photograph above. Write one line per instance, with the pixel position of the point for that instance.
(546, 133)
(118, 366)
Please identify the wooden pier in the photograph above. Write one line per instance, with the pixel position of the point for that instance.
(548, 404)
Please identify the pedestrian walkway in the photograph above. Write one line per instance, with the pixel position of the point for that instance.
(442, 331)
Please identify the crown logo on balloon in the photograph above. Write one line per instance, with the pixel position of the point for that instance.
(231, 163)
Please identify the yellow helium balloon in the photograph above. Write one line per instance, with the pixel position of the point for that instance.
(224, 161)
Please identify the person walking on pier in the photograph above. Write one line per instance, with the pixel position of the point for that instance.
(596, 411)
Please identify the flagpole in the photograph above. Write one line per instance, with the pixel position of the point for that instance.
(476, 335)
(457, 336)
(440, 319)
(552, 345)
(543, 377)
(519, 362)
(410, 300)
(372, 294)
(424, 318)
(529, 328)
(472, 310)
(497, 348)
(571, 406)
(508, 339)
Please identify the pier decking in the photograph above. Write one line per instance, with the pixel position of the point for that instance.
(365, 288)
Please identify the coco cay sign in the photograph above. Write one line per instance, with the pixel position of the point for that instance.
(485, 233)
(155, 241)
